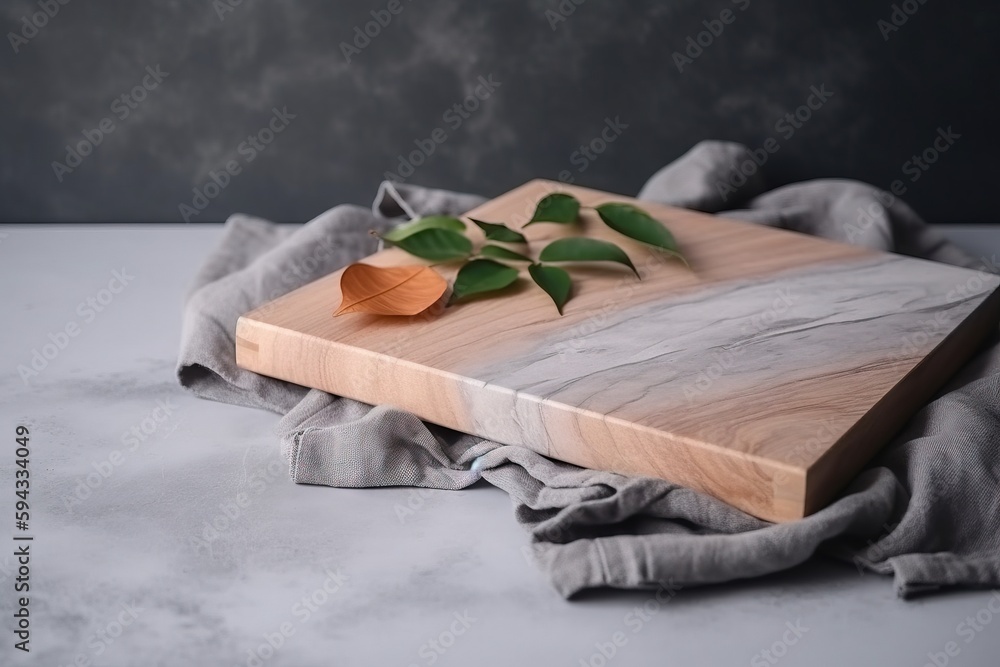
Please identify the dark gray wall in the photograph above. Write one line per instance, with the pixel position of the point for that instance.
(558, 84)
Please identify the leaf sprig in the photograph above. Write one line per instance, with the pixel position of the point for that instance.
(442, 239)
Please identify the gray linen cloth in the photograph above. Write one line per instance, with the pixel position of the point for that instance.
(927, 509)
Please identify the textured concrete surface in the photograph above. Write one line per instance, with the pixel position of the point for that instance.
(191, 546)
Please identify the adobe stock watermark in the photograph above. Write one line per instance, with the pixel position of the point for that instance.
(974, 285)
(518, 219)
(794, 632)
(223, 7)
(726, 359)
(575, 342)
(898, 17)
(696, 44)
(248, 150)
(454, 117)
(229, 512)
(153, 422)
(786, 126)
(363, 35)
(914, 343)
(301, 271)
(32, 23)
(301, 611)
(107, 634)
(121, 108)
(587, 153)
(634, 621)
(87, 311)
(435, 647)
(420, 498)
(804, 453)
(915, 167)
(415, 502)
(968, 630)
(562, 12)
(877, 549)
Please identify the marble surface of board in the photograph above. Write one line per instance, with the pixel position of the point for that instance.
(766, 375)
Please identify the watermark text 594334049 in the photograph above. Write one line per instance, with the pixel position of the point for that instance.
(22, 539)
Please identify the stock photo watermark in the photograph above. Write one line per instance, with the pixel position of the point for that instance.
(301, 611)
(786, 126)
(104, 637)
(920, 163)
(415, 501)
(319, 260)
(827, 431)
(121, 108)
(435, 647)
(727, 358)
(224, 7)
(234, 509)
(633, 622)
(793, 633)
(23, 539)
(975, 284)
(87, 311)
(898, 17)
(132, 439)
(587, 153)
(968, 629)
(32, 23)
(363, 35)
(931, 330)
(575, 342)
(714, 27)
(248, 150)
(454, 117)
(562, 12)
(915, 167)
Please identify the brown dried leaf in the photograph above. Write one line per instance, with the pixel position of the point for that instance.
(394, 290)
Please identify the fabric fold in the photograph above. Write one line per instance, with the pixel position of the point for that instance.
(927, 509)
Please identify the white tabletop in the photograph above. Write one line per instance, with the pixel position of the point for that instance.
(123, 570)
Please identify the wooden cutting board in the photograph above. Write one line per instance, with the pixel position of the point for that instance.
(766, 375)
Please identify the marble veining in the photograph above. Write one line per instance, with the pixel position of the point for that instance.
(741, 336)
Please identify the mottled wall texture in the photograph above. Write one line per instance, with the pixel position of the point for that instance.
(166, 110)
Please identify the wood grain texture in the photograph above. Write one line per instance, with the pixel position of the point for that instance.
(766, 375)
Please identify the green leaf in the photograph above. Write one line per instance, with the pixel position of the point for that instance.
(435, 244)
(496, 252)
(496, 231)
(554, 281)
(557, 207)
(482, 275)
(581, 249)
(420, 224)
(635, 223)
